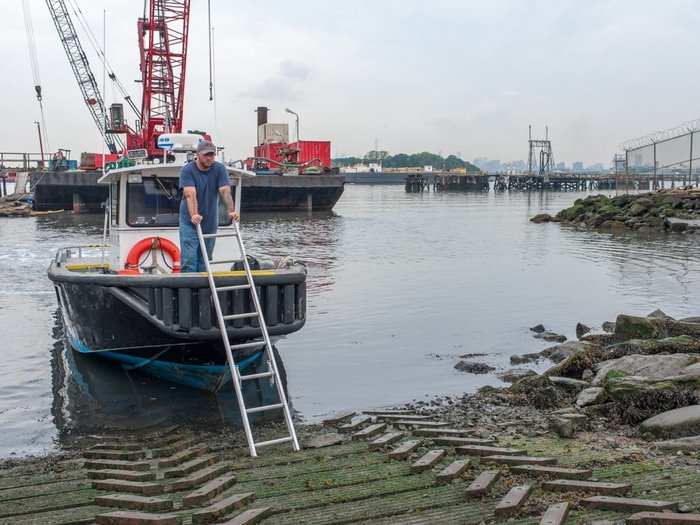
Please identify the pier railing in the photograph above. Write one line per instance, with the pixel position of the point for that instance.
(20, 161)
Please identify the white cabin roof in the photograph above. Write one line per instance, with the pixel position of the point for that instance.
(162, 170)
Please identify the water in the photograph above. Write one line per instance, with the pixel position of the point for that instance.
(399, 286)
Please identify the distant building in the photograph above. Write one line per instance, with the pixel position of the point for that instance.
(561, 166)
(577, 166)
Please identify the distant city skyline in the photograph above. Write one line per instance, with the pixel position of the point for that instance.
(449, 76)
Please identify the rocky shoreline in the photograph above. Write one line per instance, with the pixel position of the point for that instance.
(640, 374)
(676, 210)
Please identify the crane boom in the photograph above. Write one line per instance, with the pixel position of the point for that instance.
(163, 36)
(83, 74)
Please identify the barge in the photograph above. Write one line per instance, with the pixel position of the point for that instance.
(80, 191)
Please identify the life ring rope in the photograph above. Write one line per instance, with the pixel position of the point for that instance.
(148, 244)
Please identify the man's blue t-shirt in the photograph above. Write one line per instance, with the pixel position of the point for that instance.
(207, 184)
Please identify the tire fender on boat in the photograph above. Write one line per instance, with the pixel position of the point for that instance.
(151, 243)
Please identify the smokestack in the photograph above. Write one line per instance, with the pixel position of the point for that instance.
(262, 115)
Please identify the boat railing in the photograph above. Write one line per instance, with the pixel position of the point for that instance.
(78, 252)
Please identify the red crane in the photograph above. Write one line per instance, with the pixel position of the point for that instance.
(163, 46)
(162, 33)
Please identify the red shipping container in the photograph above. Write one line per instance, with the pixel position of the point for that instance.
(270, 152)
(314, 149)
(93, 161)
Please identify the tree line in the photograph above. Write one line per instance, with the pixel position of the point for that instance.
(407, 160)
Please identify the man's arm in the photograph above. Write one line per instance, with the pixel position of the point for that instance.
(190, 194)
(225, 192)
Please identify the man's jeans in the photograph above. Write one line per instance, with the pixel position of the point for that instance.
(190, 255)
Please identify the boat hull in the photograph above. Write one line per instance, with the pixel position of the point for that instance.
(164, 325)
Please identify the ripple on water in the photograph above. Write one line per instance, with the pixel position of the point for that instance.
(399, 286)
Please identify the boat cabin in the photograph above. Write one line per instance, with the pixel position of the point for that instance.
(143, 216)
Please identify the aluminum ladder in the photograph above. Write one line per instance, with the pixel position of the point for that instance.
(268, 354)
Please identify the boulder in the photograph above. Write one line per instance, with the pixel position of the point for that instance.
(679, 227)
(680, 422)
(560, 352)
(551, 337)
(575, 385)
(651, 366)
(631, 327)
(681, 344)
(541, 217)
(563, 427)
(576, 364)
(540, 392)
(609, 327)
(590, 396)
(659, 314)
(686, 444)
(474, 368)
(600, 339)
(624, 388)
(538, 329)
(516, 374)
(581, 330)
(525, 358)
(636, 398)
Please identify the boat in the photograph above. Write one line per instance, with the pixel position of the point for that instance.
(125, 299)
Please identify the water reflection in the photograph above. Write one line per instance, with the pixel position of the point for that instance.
(394, 280)
(94, 395)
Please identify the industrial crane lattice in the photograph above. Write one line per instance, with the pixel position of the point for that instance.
(83, 74)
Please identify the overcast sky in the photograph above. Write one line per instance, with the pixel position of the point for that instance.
(459, 77)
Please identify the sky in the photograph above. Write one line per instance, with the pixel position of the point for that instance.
(451, 77)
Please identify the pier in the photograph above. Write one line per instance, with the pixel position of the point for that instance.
(439, 182)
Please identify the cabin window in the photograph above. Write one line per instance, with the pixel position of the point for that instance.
(155, 201)
(152, 201)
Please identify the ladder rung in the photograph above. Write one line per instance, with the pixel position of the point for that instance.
(218, 235)
(263, 408)
(239, 316)
(254, 344)
(273, 441)
(224, 261)
(257, 376)
(232, 288)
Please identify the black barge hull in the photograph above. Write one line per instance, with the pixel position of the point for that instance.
(80, 192)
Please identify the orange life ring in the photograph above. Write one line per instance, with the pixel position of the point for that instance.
(131, 266)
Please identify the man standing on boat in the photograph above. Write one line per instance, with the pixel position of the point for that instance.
(202, 182)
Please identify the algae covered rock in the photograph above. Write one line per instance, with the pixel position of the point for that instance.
(652, 366)
(516, 374)
(576, 364)
(550, 337)
(565, 350)
(632, 327)
(590, 396)
(681, 344)
(474, 368)
(541, 217)
(680, 422)
(540, 392)
(581, 330)
(638, 398)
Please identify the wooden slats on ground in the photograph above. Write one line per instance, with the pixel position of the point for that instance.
(344, 482)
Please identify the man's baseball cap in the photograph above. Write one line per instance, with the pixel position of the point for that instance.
(205, 147)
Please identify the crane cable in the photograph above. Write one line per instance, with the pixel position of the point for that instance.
(34, 62)
(101, 56)
(211, 81)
